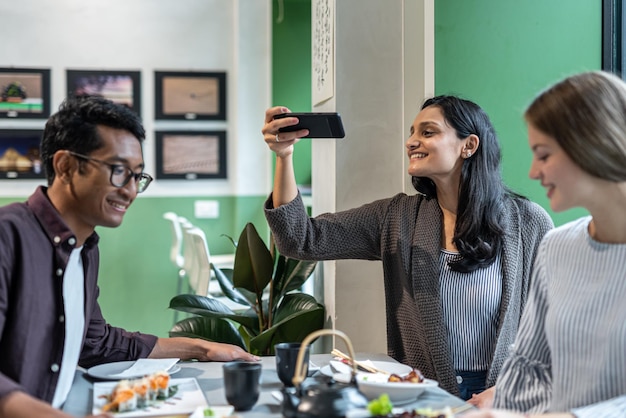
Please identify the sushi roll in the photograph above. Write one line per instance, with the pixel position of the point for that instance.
(142, 392)
(123, 398)
(161, 381)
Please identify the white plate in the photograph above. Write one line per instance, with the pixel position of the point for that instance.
(374, 385)
(388, 366)
(109, 371)
(187, 399)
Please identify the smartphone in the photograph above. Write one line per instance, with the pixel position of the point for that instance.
(320, 125)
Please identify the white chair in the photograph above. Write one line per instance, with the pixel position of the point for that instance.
(201, 274)
(176, 255)
(189, 253)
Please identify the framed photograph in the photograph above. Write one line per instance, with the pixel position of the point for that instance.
(118, 86)
(20, 157)
(191, 155)
(190, 95)
(24, 93)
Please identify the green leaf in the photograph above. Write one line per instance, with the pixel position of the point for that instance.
(292, 304)
(295, 273)
(210, 329)
(253, 262)
(210, 307)
(300, 319)
(224, 278)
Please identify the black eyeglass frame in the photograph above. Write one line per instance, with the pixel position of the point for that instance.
(142, 180)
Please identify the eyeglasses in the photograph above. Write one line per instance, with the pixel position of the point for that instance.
(121, 174)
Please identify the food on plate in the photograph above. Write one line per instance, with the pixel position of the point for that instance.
(159, 383)
(122, 398)
(421, 413)
(432, 413)
(129, 395)
(382, 407)
(415, 376)
(143, 393)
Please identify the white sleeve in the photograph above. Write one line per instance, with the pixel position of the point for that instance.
(525, 382)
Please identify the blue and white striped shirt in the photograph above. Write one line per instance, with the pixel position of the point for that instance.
(471, 304)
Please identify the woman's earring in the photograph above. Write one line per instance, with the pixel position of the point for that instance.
(469, 154)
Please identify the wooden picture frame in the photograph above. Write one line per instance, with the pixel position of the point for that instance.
(20, 156)
(190, 155)
(119, 86)
(190, 95)
(24, 93)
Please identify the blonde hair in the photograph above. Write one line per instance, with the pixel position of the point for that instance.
(586, 115)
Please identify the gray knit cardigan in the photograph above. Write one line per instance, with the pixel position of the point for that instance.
(405, 233)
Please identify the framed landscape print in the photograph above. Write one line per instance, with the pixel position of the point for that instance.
(190, 95)
(20, 157)
(191, 155)
(24, 93)
(118, 86)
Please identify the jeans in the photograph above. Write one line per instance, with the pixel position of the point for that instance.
(470, 382)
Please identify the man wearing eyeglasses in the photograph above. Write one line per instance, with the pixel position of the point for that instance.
(50, 320)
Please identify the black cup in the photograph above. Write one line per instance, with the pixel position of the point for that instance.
(241, 384)
(286, 357)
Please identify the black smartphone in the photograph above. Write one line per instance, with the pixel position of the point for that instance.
(320, 125)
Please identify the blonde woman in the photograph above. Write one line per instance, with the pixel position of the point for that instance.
(570, 355)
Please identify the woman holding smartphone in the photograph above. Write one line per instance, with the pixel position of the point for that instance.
(456, 257)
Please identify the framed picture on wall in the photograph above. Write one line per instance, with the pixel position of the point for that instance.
(190, 95)
(190, 155)
(20, 157)
(24, 93)
(118, 86)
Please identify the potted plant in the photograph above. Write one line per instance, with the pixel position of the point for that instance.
(268, 284)
(13, 92)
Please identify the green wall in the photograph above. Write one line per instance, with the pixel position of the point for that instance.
(500, 53)
(291, 70)
(137, 278)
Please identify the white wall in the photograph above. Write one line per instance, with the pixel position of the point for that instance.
(148, 35)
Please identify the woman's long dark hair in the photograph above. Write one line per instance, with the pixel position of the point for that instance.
(479, 228)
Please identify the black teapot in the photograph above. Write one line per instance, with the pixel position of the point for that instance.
(328, 400)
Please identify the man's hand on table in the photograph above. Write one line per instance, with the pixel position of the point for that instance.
(198, 349)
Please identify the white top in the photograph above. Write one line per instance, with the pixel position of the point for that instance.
(74, 317)
(571, 346)
(471, 307)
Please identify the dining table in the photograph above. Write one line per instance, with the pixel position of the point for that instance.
(209, 376)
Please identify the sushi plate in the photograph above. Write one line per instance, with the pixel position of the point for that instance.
(187, 399)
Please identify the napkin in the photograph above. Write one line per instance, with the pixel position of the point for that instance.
(146, 366)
